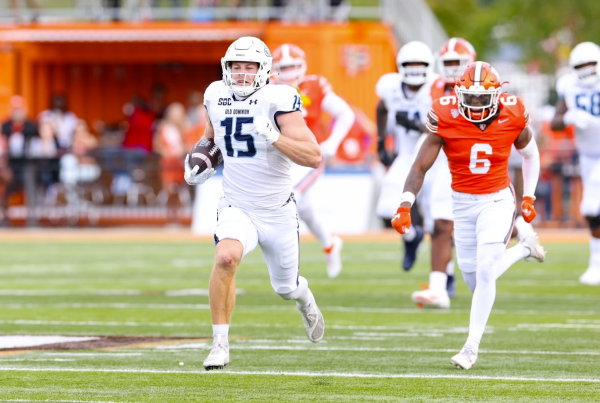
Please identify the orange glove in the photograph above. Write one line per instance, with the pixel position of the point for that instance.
(401, 221)
(528, 208)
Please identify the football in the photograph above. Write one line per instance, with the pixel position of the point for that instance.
(206, 155)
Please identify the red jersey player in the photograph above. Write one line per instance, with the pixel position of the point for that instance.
(289, 61)
(476, 129)
(453, 57)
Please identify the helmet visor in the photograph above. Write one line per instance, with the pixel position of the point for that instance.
(587, 73)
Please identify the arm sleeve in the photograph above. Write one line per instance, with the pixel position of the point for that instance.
(343, 115)
(531, 167)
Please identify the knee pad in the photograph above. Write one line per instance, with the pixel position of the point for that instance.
(289, 292)
(594, 222)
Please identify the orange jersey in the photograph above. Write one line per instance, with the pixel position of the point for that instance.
(478, 152)
(312, 90)
(440, 88)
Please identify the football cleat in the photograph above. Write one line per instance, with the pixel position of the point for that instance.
(465, 359)
(218, 358)
(334, 257)
(536, 251)
(313, 320)
(410, 249)
(451, 286)
(429, 298)
(591, 276)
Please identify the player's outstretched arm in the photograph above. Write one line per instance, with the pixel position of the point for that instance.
(296, 141)
(527, 147)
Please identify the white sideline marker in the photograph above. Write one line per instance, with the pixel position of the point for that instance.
(305, 374)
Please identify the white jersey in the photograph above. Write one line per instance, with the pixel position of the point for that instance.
(389, 90)
(256, 175)
(588, 99)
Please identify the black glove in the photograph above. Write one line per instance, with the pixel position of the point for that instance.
(411, 124)
(385, 157)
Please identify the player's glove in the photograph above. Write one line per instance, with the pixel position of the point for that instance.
(528, 208)
(579, 118)
(411, 124)
(385, 157)
(328, 149)
(192, 177)
(264, 128)
(401, 221)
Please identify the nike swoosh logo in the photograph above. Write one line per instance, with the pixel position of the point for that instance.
(502, 121)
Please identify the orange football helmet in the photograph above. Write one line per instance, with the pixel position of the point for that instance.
(455, 50)
(478, 90)
(289, 61)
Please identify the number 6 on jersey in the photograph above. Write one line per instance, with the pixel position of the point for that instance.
(476, 163)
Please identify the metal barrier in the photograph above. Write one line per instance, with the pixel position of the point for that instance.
(122, 187)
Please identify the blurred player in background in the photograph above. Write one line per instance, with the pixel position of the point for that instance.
(579, 105)
(477, 142)
(289, 61)
(453, 57)
(406, 96)
(260, 131)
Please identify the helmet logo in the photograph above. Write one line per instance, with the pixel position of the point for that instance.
(267, 51)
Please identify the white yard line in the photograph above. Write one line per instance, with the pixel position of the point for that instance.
(288, 308)
(411, 350)
(304, 374)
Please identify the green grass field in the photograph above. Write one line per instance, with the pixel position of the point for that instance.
(543, 342)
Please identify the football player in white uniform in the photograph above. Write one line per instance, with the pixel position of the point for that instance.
(579, 105)
(406, 96)
(260, 131)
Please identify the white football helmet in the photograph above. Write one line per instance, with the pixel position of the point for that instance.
(586, 52)
(415, 52)
(247, 49)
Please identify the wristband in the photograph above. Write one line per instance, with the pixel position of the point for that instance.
(408, 197)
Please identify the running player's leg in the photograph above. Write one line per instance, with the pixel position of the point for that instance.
(590, 208)
(235, 236)
(279, 243)
(494, 225)
(332, 245)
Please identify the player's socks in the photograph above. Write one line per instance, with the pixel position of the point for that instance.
(592, 274)
(221, 329)
(304, 296)
(510, 257)
(437, 280)
(488, 256)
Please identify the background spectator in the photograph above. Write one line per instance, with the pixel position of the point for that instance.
(140, 125)
(18, 130)
(171, 146)
(62, 121)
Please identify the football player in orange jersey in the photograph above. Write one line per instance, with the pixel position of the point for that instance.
(476, 129)
(452, 59)
(289, 61)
